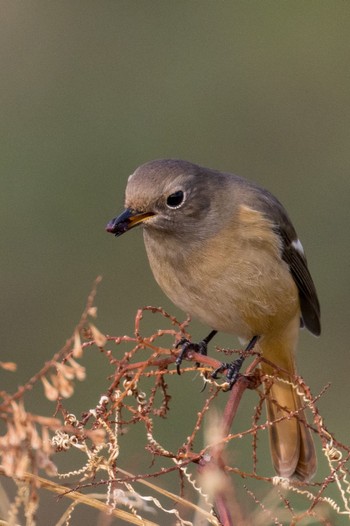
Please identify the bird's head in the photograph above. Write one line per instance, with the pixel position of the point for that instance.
(173, 196)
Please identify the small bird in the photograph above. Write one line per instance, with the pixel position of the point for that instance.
(224, 250)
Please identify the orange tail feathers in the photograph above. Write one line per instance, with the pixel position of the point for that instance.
(291, 443)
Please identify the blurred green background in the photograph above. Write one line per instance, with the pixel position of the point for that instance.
(90, 90)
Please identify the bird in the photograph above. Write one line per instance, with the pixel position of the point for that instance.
(224, 250)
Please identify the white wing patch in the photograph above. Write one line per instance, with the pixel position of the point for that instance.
(296, 244)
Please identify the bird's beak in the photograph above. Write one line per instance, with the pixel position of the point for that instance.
(127, 220)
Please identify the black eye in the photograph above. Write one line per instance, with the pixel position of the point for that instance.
(176, 199)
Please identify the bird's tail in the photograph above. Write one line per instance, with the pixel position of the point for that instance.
(291, 443)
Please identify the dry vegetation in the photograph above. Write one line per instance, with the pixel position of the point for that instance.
(137, 394)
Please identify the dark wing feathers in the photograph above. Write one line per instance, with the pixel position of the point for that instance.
(309, 304)
(292, 254)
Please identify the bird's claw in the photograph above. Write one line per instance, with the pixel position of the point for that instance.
(232, 370)
(187, 346)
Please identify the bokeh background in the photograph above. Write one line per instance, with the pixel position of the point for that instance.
(90, 90)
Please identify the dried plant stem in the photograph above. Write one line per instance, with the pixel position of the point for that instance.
(80, 498)
(225, 500)
(137, 394)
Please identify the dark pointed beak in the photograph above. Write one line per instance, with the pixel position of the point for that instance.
(127, 220)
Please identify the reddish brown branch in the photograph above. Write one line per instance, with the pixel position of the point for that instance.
(137, 394)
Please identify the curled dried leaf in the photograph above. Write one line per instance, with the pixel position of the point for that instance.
(77, 348)
(100, 339)
(51, 392)
(79, 370)
(92, 312)
(66, 371)
(8, 366)
(63, 385)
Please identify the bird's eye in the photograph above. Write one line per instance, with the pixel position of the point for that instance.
(176, 199)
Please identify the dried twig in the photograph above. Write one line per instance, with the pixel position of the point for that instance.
(137, 394)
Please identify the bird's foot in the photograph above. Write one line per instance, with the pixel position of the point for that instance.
(187, 346)
(233, 368)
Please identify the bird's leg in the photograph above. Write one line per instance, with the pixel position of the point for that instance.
(186, 346)
(234, 367)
